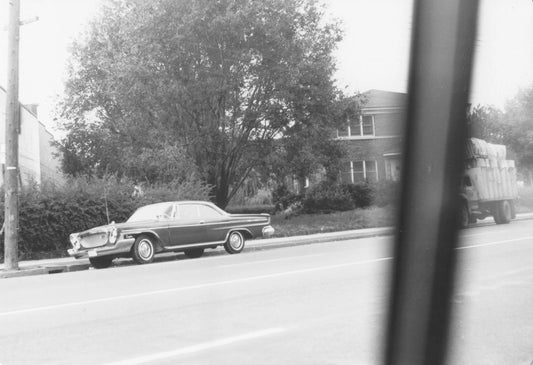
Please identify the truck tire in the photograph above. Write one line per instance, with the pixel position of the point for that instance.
(502, 213)
(513, 209)
(464, 218)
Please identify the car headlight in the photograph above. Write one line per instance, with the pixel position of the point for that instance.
(74, 240)
(113, 235)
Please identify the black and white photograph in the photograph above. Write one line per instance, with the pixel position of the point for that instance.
(263, 182)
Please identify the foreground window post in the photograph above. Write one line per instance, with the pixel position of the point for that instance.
(422, 276)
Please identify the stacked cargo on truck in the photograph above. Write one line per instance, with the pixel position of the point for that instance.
(489, 186)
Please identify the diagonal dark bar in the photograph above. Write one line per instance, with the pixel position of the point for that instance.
(423, 273)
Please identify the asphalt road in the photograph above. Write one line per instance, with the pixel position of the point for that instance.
(313, 304)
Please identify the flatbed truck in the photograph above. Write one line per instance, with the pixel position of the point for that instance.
(489, 186)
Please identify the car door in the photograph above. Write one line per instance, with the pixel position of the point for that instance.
(216, 223)
(186, 226)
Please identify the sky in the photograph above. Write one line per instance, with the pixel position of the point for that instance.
(374, 53)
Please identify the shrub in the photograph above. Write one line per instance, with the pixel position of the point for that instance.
(367, 194)
(326, 198)
(48, 215)
(251, 209)
(362, 194)
(263, 197)
(283, 198)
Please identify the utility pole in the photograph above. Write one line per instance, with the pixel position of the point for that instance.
(11, 216)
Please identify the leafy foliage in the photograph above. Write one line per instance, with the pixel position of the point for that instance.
(251, 209)
(283, 198)
(488, 123)
(363, 194)
(219, 79)
(48, 215)
(326, 198)
(519, 128)
(512, 127)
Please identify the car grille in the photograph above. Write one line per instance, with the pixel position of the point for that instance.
(94, 240)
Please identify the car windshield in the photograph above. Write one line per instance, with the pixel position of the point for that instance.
(154, 211)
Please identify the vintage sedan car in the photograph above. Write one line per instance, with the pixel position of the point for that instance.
(185, 226)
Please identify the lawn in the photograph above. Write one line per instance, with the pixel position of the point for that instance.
(340, 221)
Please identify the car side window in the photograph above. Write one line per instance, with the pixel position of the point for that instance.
(168, 212)
(206, 212)
(186, 211)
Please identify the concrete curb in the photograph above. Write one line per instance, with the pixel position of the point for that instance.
(40, 270)
(268, 243)
(68, 264)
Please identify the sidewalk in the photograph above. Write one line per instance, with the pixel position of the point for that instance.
(68, 264)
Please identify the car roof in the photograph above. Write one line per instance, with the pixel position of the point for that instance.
(181, 202)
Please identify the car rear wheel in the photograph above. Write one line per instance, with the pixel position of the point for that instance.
(143, 250)
(100, 262)
(234, 243)
(194, 253)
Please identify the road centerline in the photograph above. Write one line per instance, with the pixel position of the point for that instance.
(199, 347)
(495, 243)
(193, 287)
(271, 260)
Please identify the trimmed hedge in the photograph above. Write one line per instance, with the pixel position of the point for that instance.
(251, 209)
(47, 216)
(326, 198)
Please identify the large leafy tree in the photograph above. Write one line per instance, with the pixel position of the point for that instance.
(519, 130)
(221, 79)
(512, 127)
(307, 149)
(487, 122)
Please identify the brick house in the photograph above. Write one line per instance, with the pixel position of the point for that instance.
(373, 140)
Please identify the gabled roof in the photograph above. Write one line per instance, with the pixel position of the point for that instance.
(384, 99)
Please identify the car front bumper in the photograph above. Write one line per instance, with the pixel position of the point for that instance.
(122, 246)
(268, 231)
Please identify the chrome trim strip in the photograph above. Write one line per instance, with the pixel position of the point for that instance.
(215, 223)
(205, 244)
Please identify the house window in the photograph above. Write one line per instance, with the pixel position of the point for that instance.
(360, 127)
(355, 127)
(371, 171)
(346, 172)
(359, 171)
(392, 169)
(367, 125)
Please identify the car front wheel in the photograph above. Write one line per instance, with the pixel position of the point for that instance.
(234, 243)
(143, 250)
